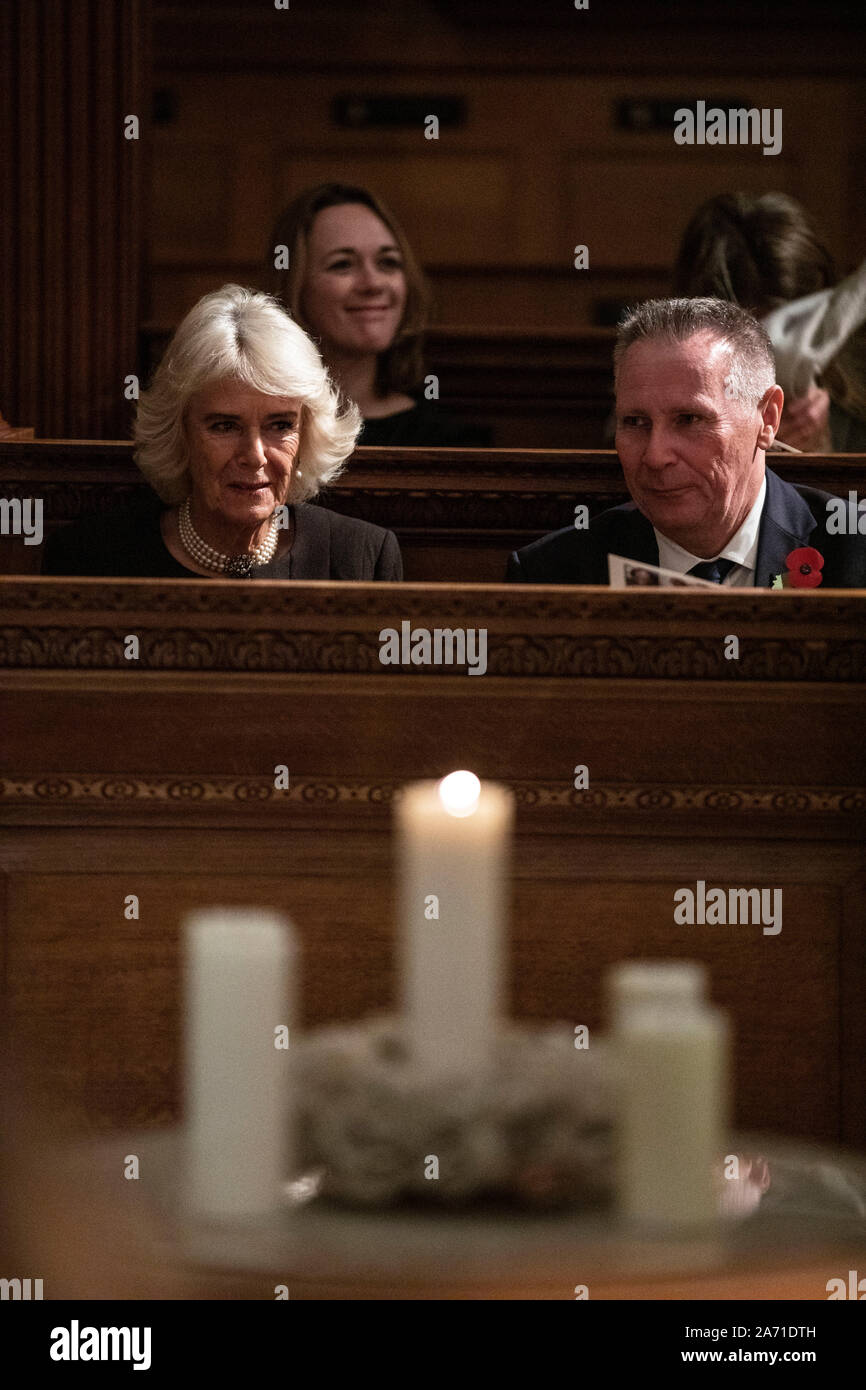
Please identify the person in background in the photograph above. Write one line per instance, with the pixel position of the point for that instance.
(764, 253)
(353, 283)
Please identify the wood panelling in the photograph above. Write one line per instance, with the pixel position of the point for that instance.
(542, 388)
(183, 203)
(96, 999)
(511, 299)
(157, 779)
(632, 211)
(70, 237)
(540, 165)
(460, 206)
(451, 36)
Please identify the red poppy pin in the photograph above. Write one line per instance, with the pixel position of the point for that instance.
(803, 567)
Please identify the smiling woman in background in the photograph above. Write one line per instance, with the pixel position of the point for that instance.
(355, 285)
(240, 429)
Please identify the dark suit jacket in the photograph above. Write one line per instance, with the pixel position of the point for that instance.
(128, 543)
(792, 516)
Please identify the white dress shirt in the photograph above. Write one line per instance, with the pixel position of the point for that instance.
(742, 548)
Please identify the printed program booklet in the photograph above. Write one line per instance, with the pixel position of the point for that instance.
(628, 574)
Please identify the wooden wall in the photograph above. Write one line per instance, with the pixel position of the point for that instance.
(533, 388)
(540, 162)
(71, 249)
(106, 236)
(156, 778)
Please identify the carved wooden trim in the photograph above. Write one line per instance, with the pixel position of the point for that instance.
(73, 500)
(111, 464)
(534, 632)
(424, 510)
(628, 658)
(503, 497)
(182, 790)
(521, 514)
(510, 606)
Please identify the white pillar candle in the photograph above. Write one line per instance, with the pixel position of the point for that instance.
(238, 1006)
(672, 1053)
(452, 844)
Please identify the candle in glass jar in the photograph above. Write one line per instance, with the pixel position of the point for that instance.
(452, 841)
(238, 1022)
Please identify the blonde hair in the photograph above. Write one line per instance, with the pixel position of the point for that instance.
(243, 335)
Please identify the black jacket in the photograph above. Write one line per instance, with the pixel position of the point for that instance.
(424, 425)
(792, 516)
(128, 544)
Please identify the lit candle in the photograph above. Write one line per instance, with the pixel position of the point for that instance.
(236, 1060)
(452, 843)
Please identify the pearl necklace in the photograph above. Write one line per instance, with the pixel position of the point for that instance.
(234, 566)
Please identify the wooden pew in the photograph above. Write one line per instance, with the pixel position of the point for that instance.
(456, 513)
(530, 387)
(154, 777)
(12, 432)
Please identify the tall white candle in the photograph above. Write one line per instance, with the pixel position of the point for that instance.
(238, 1006)
(452, 844)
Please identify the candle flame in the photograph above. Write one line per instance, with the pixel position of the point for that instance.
(459, 793)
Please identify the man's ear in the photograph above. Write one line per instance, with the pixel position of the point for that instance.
(770, 408)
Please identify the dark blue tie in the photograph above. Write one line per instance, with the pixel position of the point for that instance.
(714, 570)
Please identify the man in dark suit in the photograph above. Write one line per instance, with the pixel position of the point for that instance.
(697, 407)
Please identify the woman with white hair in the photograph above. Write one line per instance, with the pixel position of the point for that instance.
(239, 431)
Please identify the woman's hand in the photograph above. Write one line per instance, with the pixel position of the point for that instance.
(805, 421)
